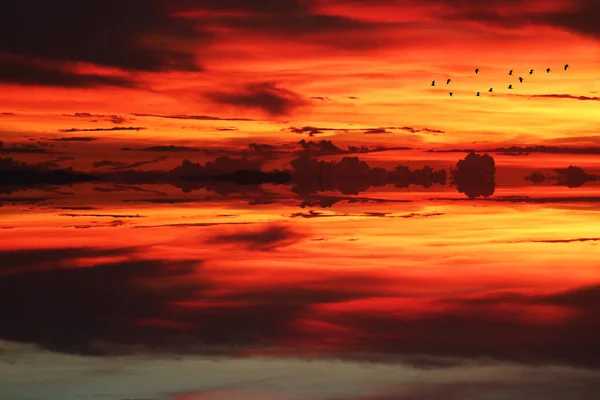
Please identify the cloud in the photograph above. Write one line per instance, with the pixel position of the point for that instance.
(266, 97)
(565, 96)
(129, 128)
(260, 147)
(26, 149)
(170, 149)
(126, 303)
(115, 119)
(46, 29)
(197, 117)
(579, 18)
(576, 16)
(312, 130)
(19, 261)
(577, 240)
(23, 73)
(377, 131)
(526, 149)
(76, 139)
(264, 239)
(103, 215)
(108, 163)
(110, 299)
(322, 147)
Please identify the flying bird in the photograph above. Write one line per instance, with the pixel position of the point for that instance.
(531, 72)
(510, 86)
(433, 83)
(510, 73)
(477, 93)
(451, 94)
(566, 66)
(520, 79)
(548, 70)
(491, 89)
(477, 70)
(448, 81)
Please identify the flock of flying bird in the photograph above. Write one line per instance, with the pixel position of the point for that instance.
(566, 66)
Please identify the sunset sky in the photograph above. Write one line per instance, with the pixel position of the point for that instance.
(268, 200)
(264, 67)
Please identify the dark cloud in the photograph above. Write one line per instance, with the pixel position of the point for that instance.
(22, 73)
(115, 119)
(475, 175)
(312, 130)
(174, 307)
(193, 225)
(579, 18)
(322, 147)
(376, 131)
(196, 117)
(170, 149)
(565, 96)
(129, 128)
(580, 240)
(418, 130)
(266, 97)
(76, 139)
(112, 33)
(75, 310)
(263, 238)
(316, 214)
(21, 148)
(108, 163)
(532, 200)
(19, 261)
(261, 147)
(526, 149)
(103, 215)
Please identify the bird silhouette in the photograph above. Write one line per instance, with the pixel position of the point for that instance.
(477, 93)
(491, 89)
(477, 70)
(566, 66)
(548, 70)
(531, 72)
(510, 73)
(520, 79)
(448, 81)
(451, 94)
(433, 83)
(510, 86)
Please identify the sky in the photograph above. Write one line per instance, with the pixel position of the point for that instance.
(268, 200)
(262, 68)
